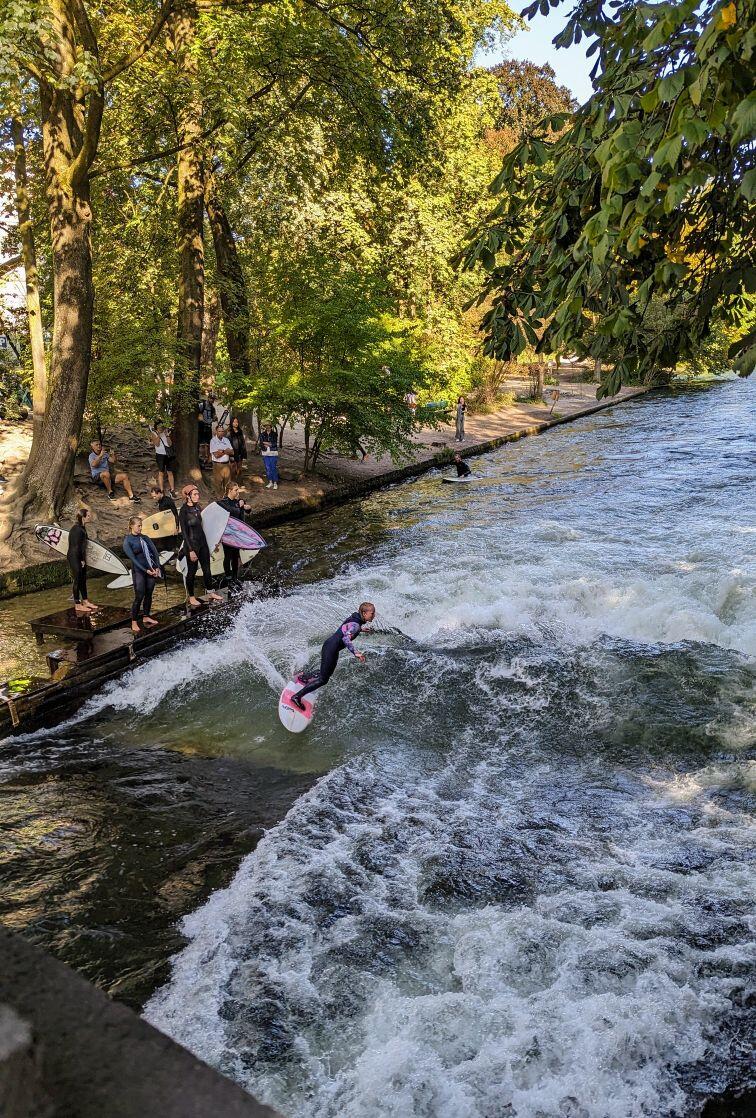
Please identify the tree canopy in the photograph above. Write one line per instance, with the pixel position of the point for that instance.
(647, 193)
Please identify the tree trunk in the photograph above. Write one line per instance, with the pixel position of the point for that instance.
(233, 286)
(33, 307)
(210, 328)
(191, 287)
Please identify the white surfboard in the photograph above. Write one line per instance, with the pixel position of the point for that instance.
(126, 580)
(98, 557)
(158, 525)
(214, 521)
(291, 716)
(456, 480)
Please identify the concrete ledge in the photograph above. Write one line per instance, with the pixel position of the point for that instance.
(97, 1059)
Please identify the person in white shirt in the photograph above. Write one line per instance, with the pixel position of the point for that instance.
(221, 453)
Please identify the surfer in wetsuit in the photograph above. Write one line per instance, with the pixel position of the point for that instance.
(331, 650)
(195, 546)
(463, 470)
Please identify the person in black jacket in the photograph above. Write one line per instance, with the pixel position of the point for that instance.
(194, 545)
(239, 444)
(77, 561)
(145, 571)
(237, 508)
(164, 501)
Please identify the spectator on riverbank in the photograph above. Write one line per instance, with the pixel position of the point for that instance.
(239, 447)
(77, 561)
(194, 545)
(165, 455)
(205, 421)
(461, 409)
(411, 401)
(145, 571)
(100, 462)
(237, 508)
(221, 452)
(269, 451)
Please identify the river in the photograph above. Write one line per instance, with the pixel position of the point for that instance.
(509, 870)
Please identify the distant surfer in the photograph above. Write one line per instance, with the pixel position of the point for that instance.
(343, 638)
(463, 470)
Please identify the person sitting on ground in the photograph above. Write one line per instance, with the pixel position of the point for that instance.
(237, 508)
(100, 461)
(165, 455)
(221, 453)
(239, 446)
(332, 649)
(77, 561)
(194, 546)
(269, 451)
(463, 470)
(145, 571)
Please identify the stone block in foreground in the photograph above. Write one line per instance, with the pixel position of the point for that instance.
(73, 1053)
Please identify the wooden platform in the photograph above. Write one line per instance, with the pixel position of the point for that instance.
(79, 626)
(99, 652)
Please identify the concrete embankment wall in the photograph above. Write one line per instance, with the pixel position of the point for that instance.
(67, 1051)
(46, 576)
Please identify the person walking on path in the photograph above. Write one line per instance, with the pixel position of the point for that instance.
(343, 638)
(238, 445)
(165, 455)
(100, 461)
(269, 451)
(77, 561)
(237, 508)
(145, 571)
(221, 453)
(194, 546)
(461, 409)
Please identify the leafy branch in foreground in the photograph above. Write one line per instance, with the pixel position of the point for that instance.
(649, 192)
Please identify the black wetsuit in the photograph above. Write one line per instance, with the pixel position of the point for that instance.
(190, 522)
(76, 556)
(463, 470)
(329, 655)
(232, 555)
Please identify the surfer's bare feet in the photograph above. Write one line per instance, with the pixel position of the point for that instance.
(135, 627)
(215, 597)
(79, 607)
(149, 620)
(91, 606)
(194, 603)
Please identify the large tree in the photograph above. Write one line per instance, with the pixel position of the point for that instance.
(648, 193)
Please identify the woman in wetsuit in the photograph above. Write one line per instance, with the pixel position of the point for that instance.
(195, 545)
(145, 571)
(236, 508)
(77, 561)
(331, 650)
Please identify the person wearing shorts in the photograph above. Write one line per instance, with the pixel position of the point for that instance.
(165, 455)
(100, 461)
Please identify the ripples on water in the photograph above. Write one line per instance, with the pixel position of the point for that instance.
(525, 886)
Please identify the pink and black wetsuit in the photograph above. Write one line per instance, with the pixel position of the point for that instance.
(329, 655)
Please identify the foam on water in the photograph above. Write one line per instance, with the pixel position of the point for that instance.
(526, 891)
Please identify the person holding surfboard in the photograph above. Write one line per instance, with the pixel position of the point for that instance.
(77, 561)
(195, 546)
(236, 508)
(145, 571)
(344, 637)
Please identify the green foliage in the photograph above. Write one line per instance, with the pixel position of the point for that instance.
(647, 195)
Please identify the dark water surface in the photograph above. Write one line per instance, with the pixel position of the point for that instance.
(523, 884)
